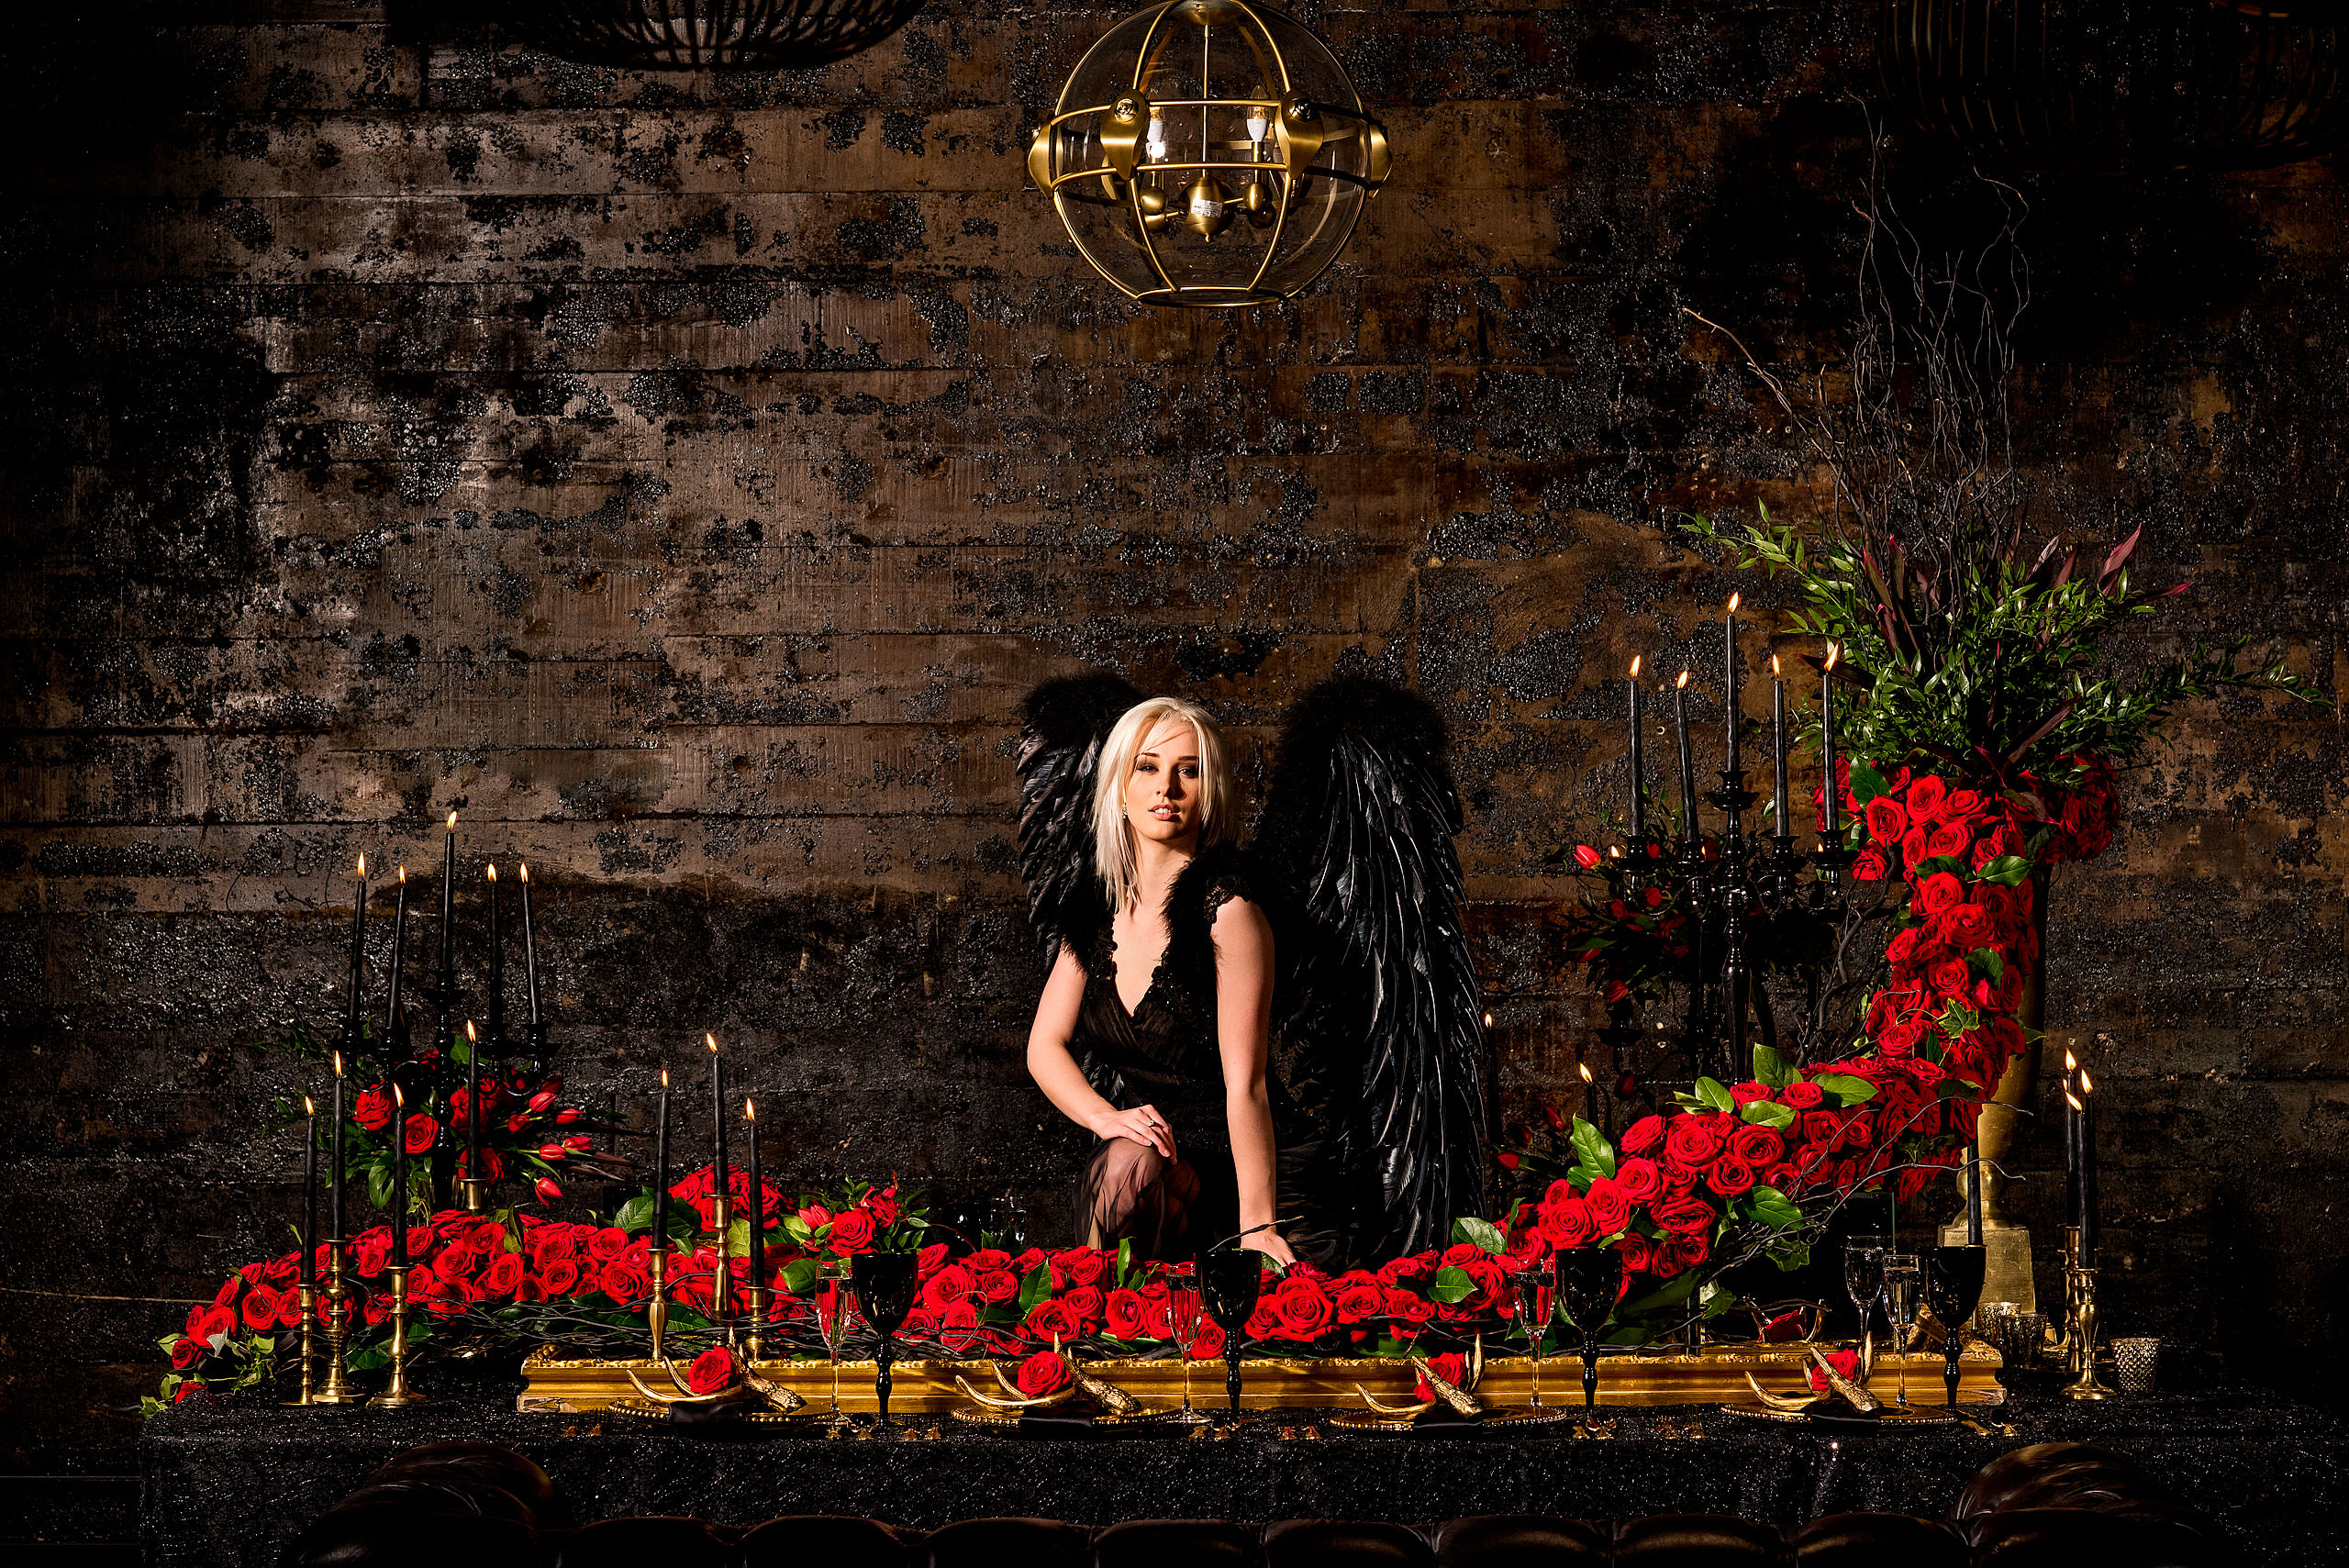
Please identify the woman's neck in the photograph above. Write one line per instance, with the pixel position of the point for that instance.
(1156, 866)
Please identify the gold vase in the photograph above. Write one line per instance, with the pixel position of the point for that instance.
(2006, 1241)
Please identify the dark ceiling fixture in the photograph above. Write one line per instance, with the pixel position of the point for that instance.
(2108, 86)
(707, 35)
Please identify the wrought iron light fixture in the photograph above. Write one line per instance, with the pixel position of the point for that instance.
(707, 35)
(1209, 152)
(2102, 86)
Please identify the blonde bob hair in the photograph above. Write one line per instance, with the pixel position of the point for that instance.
(1113, 836)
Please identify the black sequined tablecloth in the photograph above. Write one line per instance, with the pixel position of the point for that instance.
(225, 1483)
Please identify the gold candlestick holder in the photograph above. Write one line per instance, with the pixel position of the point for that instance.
(2080, 1296)
(472, 1194)
(397, 1393)
(309, 1295)
(338, 1389)
(753, 1345)
(721, 1279)
(656, 1312)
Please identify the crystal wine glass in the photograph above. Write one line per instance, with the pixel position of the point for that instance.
(835, 1306)
(1953, 1289)
(1589, 1281)
(1864, 1277)
(1533, 1289)
(1228, 1282)
(1183, 1310)
(884, 1283)
(1903, 1283)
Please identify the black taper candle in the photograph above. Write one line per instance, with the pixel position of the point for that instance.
(1639, 768)
(395, 1015)
(399, 1174)
(1833, 793)
(755, 1205)
(1778, 742)
(449, 904)
(1974, 1191)
(473, 1102)
(1687, 763)
(2071, 1142)
(1729, 685)
(660, 1238)
(358, 960)
(530, 951)
(309, 1190)
(717, 1116)
(497, 968)
(334, 1175)
(2087, 1211)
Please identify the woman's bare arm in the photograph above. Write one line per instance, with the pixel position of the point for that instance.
(1243, 988)
(1064, 1082)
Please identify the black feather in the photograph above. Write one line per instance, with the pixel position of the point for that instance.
(1377, 1003)
(1062, 725)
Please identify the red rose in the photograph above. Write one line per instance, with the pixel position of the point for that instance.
(623, 1282)
(851, 1233)
(1451, 1366)
(1899, 1040)
(1679, 1252)
(711, 1371)
(1083, 1302)
(1846, 1364)
(1125, 1314)
(1207, 1344)
(1691, 1145)
(1638, 1254)
(1567, 1224)
(1747, 1092)
(1869, 865)
(560, 1275)
(1642, 1135)
(1639, 1180)
(1961, 806)
(1925, 799)
(1683, 1216)
(1041, 1373)
(1610, 1207)
(217, 1323)
(1887, 820)
(1360, 1301)
(1949, 839)
(1939, 891)
(261, 1309)
(371, 1254)
(1914, 846)
(884, 1205)
(1408, 1312)
(949, 1285)
(505, 1275)
(185, 1352)
(1080, 1265)
(493, 1164)
(1756, 1145)
(1303, 1308)
(607, 1244)
(1972, 924)
(1460, 1254)
(1729, 1176)
(1050, 1319)
(1902, 946)
(998, 1286)
(1951, 977)
(373, 1109)
(1802, 1094)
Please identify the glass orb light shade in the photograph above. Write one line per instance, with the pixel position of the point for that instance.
(1209, 152)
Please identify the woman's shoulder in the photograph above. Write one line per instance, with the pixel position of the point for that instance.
(1216, 877)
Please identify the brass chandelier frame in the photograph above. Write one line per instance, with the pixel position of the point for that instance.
(1302, 127)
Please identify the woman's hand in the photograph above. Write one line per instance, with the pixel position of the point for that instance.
(1143, 1125)
(1269, 1242)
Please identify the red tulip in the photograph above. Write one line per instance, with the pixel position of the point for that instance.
(579, 1143)
(542, 1099)
(548, 1190)
(568, 1114)
(551, 1152)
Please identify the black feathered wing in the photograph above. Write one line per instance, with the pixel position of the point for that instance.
(1381, 1022)
(1062, 727)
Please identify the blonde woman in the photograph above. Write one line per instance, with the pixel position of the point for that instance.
(1153, 1030)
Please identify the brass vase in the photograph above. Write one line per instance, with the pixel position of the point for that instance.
(2007, 1241)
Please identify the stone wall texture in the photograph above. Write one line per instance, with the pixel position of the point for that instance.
(682, 477)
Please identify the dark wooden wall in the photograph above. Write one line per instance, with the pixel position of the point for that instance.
(684, 477)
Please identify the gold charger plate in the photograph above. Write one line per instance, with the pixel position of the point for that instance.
(644, 1412)
(972, 1416)
(1371, 1422)
(1889, 1416)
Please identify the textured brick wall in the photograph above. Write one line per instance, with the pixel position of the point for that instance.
(682, 477)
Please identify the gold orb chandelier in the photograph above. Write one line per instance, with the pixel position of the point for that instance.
(1209, 152)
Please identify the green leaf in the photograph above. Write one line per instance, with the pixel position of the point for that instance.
(1990, 962)
(1769, 1113)
(1716, 1298)
(1788, 1252)
(1580, 1177)
(799, 1275)
(1849, 1090)
(796, 1228)
(379, 1184)
(1671, 1293)
(1772, 1067)
(1771, 1208)
(1479, 1233)
(1452, 1284)
(1125, 1256)
(1867, 783)
(738, 1238)
(636, 1214)
(1037, 1288)
(1591, 1149)
(1715, 1096)
(2006, 869)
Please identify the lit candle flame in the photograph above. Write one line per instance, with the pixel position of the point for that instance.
(403, 874)
(1635, 666)
(493, 872)
(1834, 653)
(452, 822)
(1584, 1068)
(2071, 1063)
(664, 1077)
(309, 1105)
(1732, 603)
(750, 1111)
(2073, 1100)
(469, 1030)
(362, 867)
(2087, 1086)
(337, 1064)
(1488, 1020)
(1683, 682)
(400, 1097)
(1615, 849)
(713, 1041)
(525, 874)
(1773, 665)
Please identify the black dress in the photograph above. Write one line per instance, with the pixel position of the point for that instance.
(1164, 1053)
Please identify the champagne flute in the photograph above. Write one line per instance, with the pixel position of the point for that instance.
(1228, 1282)
(1902, 1282)
(835, 1304)
(1183, 1308)
(1533, 1289)
(1589, 1281)
(1864, 1278)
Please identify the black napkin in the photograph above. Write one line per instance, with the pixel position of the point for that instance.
(1072, 1419)
(723, 1415)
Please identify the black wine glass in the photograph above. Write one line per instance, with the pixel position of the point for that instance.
(1953, 1289)
(1589, 1281)
(885, 1287)
(1228, 1283)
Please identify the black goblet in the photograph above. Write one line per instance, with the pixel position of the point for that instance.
(1953, 1289)
(1229, 1283)
(1589, 1281)
(885, 1287)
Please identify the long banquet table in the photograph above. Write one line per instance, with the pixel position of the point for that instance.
(227, 1484)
